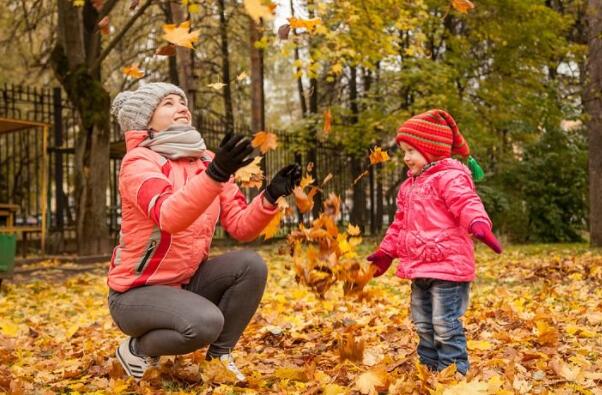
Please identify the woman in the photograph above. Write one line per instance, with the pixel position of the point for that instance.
(165, 293)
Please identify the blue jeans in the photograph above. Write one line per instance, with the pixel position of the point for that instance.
(437, 306)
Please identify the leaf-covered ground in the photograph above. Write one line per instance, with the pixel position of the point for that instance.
(534, 326)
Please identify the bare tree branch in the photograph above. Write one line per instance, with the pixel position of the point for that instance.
(105, 52)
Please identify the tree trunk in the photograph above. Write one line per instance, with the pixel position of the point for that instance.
(227, 90)
(78, 38)
(593, 107)
(358, 210)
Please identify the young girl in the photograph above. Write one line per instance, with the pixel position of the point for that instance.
(165, 293)
(437, 211)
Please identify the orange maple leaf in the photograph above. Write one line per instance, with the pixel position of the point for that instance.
(180, 34)
(309, 24)
(462, 6)
(272, 227)
(305, 202)
(166, 50)
(265, 141)
(377, 155)
(133, 71)
(327, 121)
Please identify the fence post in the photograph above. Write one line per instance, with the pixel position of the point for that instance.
(58, 157)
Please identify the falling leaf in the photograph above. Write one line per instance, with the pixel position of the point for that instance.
(284, 31)
(377, 155)
(250, 176)
(103, 25)
(372, 381)
(462, 6)
(194, 8)
(353, 230)
(180, 34)
(309, 24)
(365, 173)
(216, 86)
(257, 10)
(134, 4)
(133, 71)
(166, 50)
(327, 121)
(242, 76)
(272, 227)
(328, 177)
(265, 141)
(306, 180)
(305, 202)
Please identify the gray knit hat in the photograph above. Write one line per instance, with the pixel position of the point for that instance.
(134, 109)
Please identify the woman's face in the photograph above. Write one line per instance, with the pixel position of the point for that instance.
(413, 158)
(171, 110)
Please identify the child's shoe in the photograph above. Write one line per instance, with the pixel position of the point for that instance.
(133, 364)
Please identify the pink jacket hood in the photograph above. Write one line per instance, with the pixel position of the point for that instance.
(170, 209)
(429, 234)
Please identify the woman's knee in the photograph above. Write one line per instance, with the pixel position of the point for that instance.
(255, 265)
(205, 328)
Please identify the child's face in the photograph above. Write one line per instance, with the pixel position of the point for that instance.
(413, 158)
(171, 110)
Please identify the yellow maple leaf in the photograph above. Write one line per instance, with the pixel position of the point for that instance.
(353, 230)
(306, 180)
(133, 71)
(482, 345)
(242, 76)
(475, 387)
(265, 141)
(462, 6)
(250, 176)
(377, 155)
(257, 10)
(180, 34)
(309, 24)
(272, 227)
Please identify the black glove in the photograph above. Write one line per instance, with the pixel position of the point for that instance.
(283, 183)
(231, 155)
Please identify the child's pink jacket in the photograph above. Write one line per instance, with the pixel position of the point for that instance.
(169, 212)
(430, 232)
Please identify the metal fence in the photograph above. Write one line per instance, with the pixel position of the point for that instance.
(51, 106)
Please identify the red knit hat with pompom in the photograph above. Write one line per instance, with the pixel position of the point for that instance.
(434, 134)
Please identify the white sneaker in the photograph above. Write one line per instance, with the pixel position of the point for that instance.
(228, 362)
(134, 365)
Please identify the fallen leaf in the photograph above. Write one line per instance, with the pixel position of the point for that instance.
(372, 381)
(133, 71)
(250, 176)
(265, 141)
(257, 10)
(180, 34)
(462, 6)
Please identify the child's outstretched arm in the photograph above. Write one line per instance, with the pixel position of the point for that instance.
(382, 258)
(458, 192)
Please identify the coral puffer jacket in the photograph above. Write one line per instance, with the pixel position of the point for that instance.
(170, 209)
(430, 232)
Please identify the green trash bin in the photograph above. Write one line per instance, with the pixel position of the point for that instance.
(8, 250)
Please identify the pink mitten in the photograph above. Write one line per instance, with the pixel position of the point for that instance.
(482, 231)
(381, 261)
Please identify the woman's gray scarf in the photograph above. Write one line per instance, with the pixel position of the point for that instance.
(175, 142)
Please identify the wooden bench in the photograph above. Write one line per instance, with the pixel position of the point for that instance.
(7, 215)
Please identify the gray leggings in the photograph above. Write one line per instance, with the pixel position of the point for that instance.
(214, 308)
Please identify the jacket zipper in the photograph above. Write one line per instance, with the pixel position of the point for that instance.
(146, 256)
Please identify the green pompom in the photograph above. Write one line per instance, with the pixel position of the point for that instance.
(477, 172)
